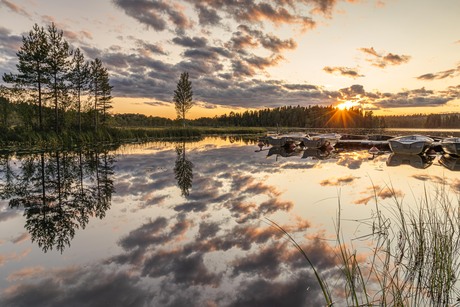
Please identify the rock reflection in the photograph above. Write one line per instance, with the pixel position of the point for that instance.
(58, 191)
(183, 170)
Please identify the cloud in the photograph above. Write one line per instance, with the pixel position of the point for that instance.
(245, 36)
(441, 75)
(343, 71)
(192, 42)
(409, 98)
(352, 91)
(92, 287)
(8, 214)
(456, 185)
(345, 180)
(207, 16)
(26, 273)
(350, 160)
(158, 103)
(155, 14)
(383, 60)
(147, 49)
(21, 238)
(15, 8)
(376, 191)
(4, 258)
(9, 44)
(412, 98)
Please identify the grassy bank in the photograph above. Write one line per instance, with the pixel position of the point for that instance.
(16, 138)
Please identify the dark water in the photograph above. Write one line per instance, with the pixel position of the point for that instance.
(186, 224)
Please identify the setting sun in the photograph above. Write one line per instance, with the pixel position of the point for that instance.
(347, 104)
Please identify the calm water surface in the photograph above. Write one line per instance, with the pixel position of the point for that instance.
(186, 224)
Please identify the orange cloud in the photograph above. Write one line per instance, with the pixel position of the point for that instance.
(26, 273)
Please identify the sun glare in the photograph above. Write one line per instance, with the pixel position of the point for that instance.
(347, 104)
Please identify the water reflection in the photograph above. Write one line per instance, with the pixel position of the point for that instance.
(450, 162)
(183, 170)
(304, 153)
(316, 153)
(416, 161)
(213, 247)
(58, 192)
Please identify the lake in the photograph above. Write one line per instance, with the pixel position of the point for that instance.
(194, 223)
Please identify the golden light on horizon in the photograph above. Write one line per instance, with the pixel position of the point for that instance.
(347, 104)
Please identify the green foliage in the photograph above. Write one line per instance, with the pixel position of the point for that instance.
(58, 64)
(50, 74)
(183, 96)
(100, 90)
(32, 67)
(79, 77)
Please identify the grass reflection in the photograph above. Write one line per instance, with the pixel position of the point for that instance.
(414, 259)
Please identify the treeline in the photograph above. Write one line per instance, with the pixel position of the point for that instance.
(298, 116)
(55, 87)
(445, 121)
(304, 117)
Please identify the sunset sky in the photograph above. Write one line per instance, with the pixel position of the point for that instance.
(389, 56)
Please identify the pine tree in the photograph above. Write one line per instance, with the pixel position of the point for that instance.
(32, 68)
(183, 97)
(100, 90)
(58, 70)
(106, 96)
(79, 81)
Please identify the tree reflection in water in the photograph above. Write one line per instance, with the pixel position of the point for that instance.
(183, 170)
(59, 191)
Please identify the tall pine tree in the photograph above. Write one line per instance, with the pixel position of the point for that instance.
(183, 96)
(58, 70)
(33, 67)
(79, 78)
(100, 90)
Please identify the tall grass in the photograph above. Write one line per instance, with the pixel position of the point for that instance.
(414, 258)
(19, 138)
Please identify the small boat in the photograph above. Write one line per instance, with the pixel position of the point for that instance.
(410, 144)
(379, 137)
(451, 146)
(450, 162)
(416, 161)
(322, 141)
(326, 138)
(353, 137)
(283, 139)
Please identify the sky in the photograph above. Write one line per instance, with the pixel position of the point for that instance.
(389, 56)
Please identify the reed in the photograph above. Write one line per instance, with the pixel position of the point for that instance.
(414, 259)
(14, 138)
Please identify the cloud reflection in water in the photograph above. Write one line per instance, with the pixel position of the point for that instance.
(211, 247)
